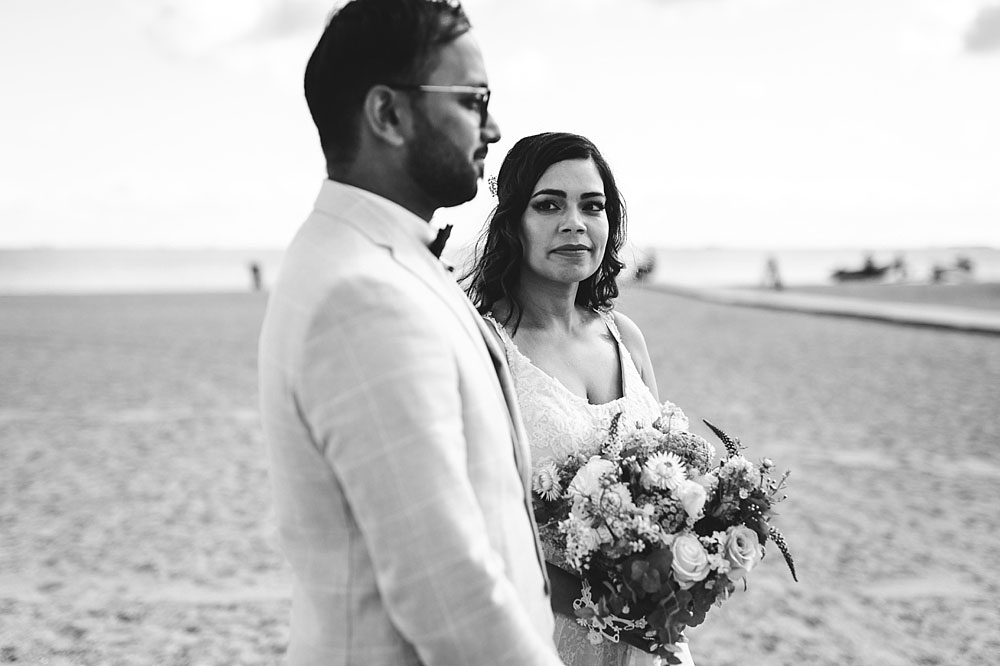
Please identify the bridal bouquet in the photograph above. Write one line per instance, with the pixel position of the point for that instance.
(658, 528)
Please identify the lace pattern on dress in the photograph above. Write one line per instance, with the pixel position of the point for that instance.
(560, 423)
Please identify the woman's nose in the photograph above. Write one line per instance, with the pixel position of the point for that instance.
(572, 221)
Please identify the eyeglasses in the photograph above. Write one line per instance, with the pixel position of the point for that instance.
(481, 95)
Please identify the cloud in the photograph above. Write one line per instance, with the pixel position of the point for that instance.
(288, 18)
(202, 27)
(984, 34)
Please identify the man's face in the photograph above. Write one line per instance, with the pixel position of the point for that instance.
(446, 157)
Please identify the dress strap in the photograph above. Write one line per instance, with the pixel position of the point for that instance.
(630, 369)
(609, 318)
(508, 342)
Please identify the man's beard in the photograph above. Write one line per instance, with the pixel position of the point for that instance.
(446, 176)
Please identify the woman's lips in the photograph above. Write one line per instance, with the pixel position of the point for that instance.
(571, 250)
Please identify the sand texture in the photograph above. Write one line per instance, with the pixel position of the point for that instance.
(135, 521)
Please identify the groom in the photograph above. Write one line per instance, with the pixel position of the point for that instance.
(398, 459)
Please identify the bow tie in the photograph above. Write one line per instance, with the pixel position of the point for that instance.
(437, 245)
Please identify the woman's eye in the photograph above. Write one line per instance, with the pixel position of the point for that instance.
(544, 206)
(594, 207)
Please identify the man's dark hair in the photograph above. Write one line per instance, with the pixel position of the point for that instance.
(371, 42)
(500, 253)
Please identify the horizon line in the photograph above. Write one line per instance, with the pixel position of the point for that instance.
(635, 246)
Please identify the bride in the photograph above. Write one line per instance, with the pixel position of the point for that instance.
(544, 278)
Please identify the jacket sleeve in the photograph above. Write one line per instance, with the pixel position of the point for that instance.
(381, 393)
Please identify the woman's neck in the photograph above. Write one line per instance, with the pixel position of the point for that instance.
(548, 305)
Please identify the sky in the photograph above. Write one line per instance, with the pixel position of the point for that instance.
(728, 123)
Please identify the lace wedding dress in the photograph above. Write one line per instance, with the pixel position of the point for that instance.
(559, 423)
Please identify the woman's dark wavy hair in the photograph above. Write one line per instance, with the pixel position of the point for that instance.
(371, 42)
(496, 271)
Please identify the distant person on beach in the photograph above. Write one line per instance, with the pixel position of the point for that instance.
(545, 278)
(256, 279)
(899, 268)
(772, 275)
(397, 453)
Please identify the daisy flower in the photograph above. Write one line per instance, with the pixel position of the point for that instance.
(546, 481)
(663, 470)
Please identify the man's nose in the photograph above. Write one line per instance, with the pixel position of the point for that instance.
(491, 130)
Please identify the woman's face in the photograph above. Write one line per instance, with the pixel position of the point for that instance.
(564, 229)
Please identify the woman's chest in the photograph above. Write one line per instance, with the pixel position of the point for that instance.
(590, 369)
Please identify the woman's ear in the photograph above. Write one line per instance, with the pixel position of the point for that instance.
(386, 113)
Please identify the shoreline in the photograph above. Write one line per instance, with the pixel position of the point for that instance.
(924, 312)
(966, 307)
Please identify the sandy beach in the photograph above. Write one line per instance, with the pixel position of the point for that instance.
(135, 521)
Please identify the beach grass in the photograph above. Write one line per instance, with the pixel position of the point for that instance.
(135, 506)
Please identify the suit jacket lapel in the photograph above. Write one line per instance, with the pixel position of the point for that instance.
(422, 264)
(499, 358)
(406, 237)
(419, 261)
(426, 267)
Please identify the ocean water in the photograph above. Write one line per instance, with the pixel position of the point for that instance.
(133, 271)
(212, 270)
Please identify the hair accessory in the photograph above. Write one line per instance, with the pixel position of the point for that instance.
(492, 180)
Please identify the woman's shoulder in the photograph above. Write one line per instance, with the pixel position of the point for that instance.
(635, 344)
(632, 336)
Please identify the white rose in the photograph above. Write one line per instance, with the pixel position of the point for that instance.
(587, 481)
(692, 496)
(743, 551)
(690, 563)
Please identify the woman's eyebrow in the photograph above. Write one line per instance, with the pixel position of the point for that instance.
(555, 193)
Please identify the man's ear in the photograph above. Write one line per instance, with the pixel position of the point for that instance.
(386, 112)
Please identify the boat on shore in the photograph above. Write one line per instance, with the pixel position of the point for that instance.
(870, 271)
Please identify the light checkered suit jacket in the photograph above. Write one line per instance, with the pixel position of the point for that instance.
(399, 474)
